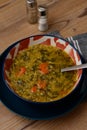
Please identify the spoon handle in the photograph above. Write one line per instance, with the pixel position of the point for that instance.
(76, 67)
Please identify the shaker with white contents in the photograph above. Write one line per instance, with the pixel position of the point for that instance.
(42, 21)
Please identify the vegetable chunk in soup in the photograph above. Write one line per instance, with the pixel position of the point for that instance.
(36, 75)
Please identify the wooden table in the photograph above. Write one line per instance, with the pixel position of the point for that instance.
(69, 17)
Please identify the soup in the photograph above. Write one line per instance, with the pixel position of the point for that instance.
(35, 74)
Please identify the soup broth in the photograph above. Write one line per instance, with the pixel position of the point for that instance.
(35, 74)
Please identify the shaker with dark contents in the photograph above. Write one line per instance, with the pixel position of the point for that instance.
(32, 11)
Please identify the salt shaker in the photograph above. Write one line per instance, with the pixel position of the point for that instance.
(32, 11)
(42, 21)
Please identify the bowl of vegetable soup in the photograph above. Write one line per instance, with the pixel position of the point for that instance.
(31, 74)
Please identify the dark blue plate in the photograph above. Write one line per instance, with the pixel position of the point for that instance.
(26, 109)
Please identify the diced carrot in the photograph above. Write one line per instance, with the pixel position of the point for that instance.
(41, 84)
(22, 71)
(44, 67)
(63, 92)
(34, 89)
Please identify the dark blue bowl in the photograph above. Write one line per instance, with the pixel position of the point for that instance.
(38, 110)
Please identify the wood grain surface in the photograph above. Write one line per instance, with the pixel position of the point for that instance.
(69, 17)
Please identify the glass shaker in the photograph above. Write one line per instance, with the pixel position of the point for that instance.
(32, 11)
(43, 19)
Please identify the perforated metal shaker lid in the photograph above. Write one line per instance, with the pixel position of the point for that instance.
(31, 3)
(42, 10)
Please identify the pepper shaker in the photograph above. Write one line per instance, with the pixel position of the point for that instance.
(32, 11)
(42, 22)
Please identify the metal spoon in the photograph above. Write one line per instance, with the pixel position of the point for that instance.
(76, 67)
